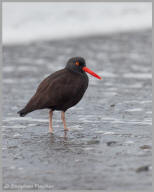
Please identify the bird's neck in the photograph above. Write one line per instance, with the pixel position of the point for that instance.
(75, 70)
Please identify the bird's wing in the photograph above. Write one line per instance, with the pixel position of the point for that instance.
(48, 81)
(60, 89)
(55, 90)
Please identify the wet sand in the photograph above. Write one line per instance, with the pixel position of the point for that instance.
(109, 143)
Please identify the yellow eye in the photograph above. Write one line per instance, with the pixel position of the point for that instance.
(77, 63)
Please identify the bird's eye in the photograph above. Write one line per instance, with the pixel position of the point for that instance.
(77, 63)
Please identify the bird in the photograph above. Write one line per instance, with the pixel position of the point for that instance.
(61, 90)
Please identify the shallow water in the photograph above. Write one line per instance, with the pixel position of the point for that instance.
(108, 128)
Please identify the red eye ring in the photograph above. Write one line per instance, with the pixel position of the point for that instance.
(77, 63)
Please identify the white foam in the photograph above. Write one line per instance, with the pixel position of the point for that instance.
(106, 74)
(129, 142)
(76, 127)
(8, 69)
(26, 119)
(17, 135)
(27, 68)
(105, 132)
(149, 112)
(120, 121)
(135, 85)
(147, 101)
(138, 75)
(9, 81)
(141, 68)
(25, 22)
(14, 126)
(134, 110)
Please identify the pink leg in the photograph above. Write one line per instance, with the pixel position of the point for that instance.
(50, 121)
(63, 119)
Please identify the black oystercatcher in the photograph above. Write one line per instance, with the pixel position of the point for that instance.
(61, 90)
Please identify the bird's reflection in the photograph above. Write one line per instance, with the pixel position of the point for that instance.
(65, 143)
(54, 138)
(65, 135)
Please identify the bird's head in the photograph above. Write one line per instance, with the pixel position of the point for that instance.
(78, 64)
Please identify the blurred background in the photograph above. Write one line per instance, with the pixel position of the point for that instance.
(109, 145)
(24, 22)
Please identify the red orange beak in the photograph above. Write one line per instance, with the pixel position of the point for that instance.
(91, 72)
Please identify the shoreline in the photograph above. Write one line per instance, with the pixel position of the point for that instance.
(107, 34)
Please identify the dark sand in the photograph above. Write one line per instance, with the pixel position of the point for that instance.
(109, 142)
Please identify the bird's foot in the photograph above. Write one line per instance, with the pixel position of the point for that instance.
(66, 129)
(50, 130)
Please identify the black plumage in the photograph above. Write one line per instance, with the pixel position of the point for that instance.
(62, 89)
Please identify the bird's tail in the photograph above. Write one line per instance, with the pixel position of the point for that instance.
(22, 112)
(32, 105)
